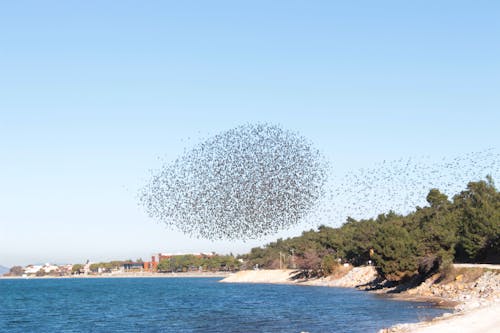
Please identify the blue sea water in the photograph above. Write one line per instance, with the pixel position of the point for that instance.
(194, 305)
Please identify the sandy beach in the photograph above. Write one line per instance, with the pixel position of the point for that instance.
(481, 320)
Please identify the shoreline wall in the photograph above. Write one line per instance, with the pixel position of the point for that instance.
(354, 277)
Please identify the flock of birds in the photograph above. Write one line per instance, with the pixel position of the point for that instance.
(244, 183)
(258, 179)
(401, 185)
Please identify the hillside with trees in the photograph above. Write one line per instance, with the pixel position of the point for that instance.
(465, 229)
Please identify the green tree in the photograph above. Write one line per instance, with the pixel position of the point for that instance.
(435, 230)
(76, 269)
(95, 267)
(164, 265)
(479, 221)
(436, 199)
(395, 253)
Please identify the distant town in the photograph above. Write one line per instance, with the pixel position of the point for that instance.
(160, 263)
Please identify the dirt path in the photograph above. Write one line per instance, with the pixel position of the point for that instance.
(487, 266)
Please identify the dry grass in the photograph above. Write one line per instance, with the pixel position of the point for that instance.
(340, 271)
(461, 274)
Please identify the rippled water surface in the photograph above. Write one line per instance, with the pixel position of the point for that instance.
(194, 305)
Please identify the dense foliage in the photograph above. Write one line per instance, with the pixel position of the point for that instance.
(108, 266)
(77, 269)
(465, 229)
(189, 262)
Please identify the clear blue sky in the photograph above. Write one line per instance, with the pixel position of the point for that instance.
(93, 93)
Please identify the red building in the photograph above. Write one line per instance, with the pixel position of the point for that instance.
(152, 265)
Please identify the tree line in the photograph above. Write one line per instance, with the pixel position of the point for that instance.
(463, 229)
(189, 262)
(177, 263)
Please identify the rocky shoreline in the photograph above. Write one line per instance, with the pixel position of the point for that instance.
(473, 294)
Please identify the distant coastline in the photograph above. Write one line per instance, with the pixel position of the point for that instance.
(126, 275)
